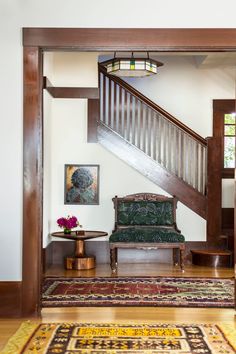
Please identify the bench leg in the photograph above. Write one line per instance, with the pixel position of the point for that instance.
(178, 257)
(113, 258)
(181, 255)
(175, 257)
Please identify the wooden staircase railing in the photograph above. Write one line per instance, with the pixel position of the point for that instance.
(154, 131)
(177, 159)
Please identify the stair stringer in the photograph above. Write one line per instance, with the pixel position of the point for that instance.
(151, 170)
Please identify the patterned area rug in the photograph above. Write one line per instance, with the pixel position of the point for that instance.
(141, 291)
(162, 338)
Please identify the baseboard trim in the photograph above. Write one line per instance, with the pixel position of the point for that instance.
(47, 255)
(10, 304)
(56, 252)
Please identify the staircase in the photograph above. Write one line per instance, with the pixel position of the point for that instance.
(153, 142)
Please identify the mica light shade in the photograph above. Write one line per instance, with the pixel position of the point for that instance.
(131, 67)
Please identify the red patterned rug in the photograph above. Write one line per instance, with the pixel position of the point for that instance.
(138, 291)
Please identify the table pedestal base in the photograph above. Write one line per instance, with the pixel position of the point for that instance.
(86, 262)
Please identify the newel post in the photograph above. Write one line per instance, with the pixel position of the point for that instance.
(214, 190)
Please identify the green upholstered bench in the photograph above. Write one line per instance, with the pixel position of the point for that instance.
(146, 221)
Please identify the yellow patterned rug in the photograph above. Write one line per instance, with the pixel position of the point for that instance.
(86, 338)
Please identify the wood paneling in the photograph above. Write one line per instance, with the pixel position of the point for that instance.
(235, 236)
(73, 92)
(190, 245)
(212, 258)
(213, 191)
(227, 218)
(70, 92)
(227, 228)
(47, 256)
(100, 249)
(10, 303)
(33, 181)
(59, 250)
(93, 118)
(220, 108)
(130, 39)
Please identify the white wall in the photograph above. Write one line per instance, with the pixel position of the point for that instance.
(68, 143)
(186, 91)
(14, 15)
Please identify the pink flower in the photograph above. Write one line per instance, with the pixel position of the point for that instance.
(68, 223)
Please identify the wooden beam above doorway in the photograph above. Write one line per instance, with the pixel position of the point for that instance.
(131, 39)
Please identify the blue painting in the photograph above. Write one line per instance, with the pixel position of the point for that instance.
(82, 184)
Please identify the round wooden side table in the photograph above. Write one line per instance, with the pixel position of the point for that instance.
(80, 260)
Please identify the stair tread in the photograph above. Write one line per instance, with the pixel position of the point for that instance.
(213, 252)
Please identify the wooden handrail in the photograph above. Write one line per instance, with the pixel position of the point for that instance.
(153, 105)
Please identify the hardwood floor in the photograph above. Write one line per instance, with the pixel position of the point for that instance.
(129, 314)
(148, 269)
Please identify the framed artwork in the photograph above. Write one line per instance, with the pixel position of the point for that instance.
(81, 184)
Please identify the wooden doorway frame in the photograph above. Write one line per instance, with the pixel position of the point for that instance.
(35, 42)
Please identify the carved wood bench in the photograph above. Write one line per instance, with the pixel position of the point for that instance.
(146, 221)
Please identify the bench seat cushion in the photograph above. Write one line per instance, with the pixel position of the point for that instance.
(146, 235)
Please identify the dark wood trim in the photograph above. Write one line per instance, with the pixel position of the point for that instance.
(227, 173)
(213, 190)
(33, 181)
(153, 105)
(93, 118)
(46, 83)
(47, 256)
(73, 92)
(70, 92)
(212, 258)
(227, 229)
(234, 261)
(200, 245)
(227, 218)
(59, 250)
(83, 39)
(220, 108)
(132, 39)
(10, 304)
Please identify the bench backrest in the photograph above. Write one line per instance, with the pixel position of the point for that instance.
(145, 210)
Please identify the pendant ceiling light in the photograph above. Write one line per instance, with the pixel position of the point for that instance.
(131, 67)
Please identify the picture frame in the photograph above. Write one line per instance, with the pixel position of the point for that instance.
(81, 184)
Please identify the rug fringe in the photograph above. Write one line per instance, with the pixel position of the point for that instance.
(17, 342)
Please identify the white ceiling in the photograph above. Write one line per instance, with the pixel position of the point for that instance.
(202, 59)
(209, 60)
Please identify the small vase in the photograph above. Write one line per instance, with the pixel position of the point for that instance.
(67, 231)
